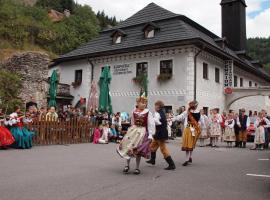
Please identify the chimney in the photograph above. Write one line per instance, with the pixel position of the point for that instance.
(234, 23)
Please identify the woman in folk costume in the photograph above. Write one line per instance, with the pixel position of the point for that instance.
(23, 137)
(6, 137)
(204, 128)
(215, 128)
(192, 122)
(136, 142)
(260, 124)
(160, 137)
(229, 134)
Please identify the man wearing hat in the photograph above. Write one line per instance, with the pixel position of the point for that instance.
(243, 123)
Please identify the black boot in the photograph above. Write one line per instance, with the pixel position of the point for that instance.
(236, 144)
(244, 144)
(240, 144)
(171, 166)
(152, 161)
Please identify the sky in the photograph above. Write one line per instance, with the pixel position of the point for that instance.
(207, 14)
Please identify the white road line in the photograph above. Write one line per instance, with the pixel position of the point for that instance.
(263, 159)
(259, 175)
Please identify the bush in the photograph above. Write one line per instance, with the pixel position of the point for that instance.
(10, 85)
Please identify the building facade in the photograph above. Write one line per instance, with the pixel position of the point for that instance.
(183, 61)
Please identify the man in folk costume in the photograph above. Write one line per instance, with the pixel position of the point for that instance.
(137, 140)
(192, 131)
(160, 137)
(243, 123)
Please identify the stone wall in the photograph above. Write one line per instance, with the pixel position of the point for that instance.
(33, 70)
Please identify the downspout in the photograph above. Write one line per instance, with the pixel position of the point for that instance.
(92, 69)
(195, 72)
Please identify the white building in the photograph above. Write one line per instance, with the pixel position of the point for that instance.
(183, 60)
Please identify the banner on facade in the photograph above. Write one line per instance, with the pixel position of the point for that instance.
(122, 69)
(228, 76)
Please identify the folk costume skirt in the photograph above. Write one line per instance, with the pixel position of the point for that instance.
(204, 134)
(215, 130)
(229, 135)
(23, 137)
(189, 140)
(259, 135)
(135, 143)
(6, 137)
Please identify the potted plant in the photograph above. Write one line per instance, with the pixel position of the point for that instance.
(164, 77)
(76, 84)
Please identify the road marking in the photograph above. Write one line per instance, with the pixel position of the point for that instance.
(263, 159)
(259, 175)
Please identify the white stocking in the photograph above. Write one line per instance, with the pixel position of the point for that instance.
(187, 155)
(138, 160)
(190, 154)
(128, 162)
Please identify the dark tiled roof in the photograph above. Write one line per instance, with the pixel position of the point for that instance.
(230, 1)
(151, 12)
(173, 28)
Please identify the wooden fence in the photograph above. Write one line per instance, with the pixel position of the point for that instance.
(52, 132)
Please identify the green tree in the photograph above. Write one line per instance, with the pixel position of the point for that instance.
(10, 86)
(59, 5)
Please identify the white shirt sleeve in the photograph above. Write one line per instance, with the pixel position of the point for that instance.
(151, 125)
(219, 119)
(267, 122)
(157, 118)
(248, 122)
(180, 117)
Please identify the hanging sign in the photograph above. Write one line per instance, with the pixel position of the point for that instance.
(122, 69)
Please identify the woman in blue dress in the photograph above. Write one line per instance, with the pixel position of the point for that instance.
(23, 137)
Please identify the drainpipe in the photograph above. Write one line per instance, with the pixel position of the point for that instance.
(195, 72)
(92, 69)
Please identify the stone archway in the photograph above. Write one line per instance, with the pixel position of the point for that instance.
(240, 93)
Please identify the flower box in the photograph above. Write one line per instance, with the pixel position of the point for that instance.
(164, 77)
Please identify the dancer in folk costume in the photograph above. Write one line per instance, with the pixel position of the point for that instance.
(215, 128)
(261, 123)
(6, 137)
(136, 142)
(23, 137)
(243, 123)
(229, 134)
(160, 137)
(192, 122)
(204, 128)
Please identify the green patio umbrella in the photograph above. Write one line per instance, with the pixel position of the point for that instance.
(105, 101)
(53, 89)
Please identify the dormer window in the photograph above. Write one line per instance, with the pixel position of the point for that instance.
(150, 33)
(149, 30)
(117, 36)
(118, 39)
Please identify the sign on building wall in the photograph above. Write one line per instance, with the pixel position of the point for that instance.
(122, 69)
(228, 76)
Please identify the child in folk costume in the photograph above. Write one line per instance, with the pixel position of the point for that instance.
(260, 124)
(104, 139)
(192, 131)
(215, 128)
(136, 142)
(160, 137)
(229, 134)
(97, 134)
(6, 137)
(204, 128)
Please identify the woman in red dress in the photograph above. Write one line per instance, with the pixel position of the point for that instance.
(6, 137)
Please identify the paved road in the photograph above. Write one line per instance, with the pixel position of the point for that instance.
(94, 172)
